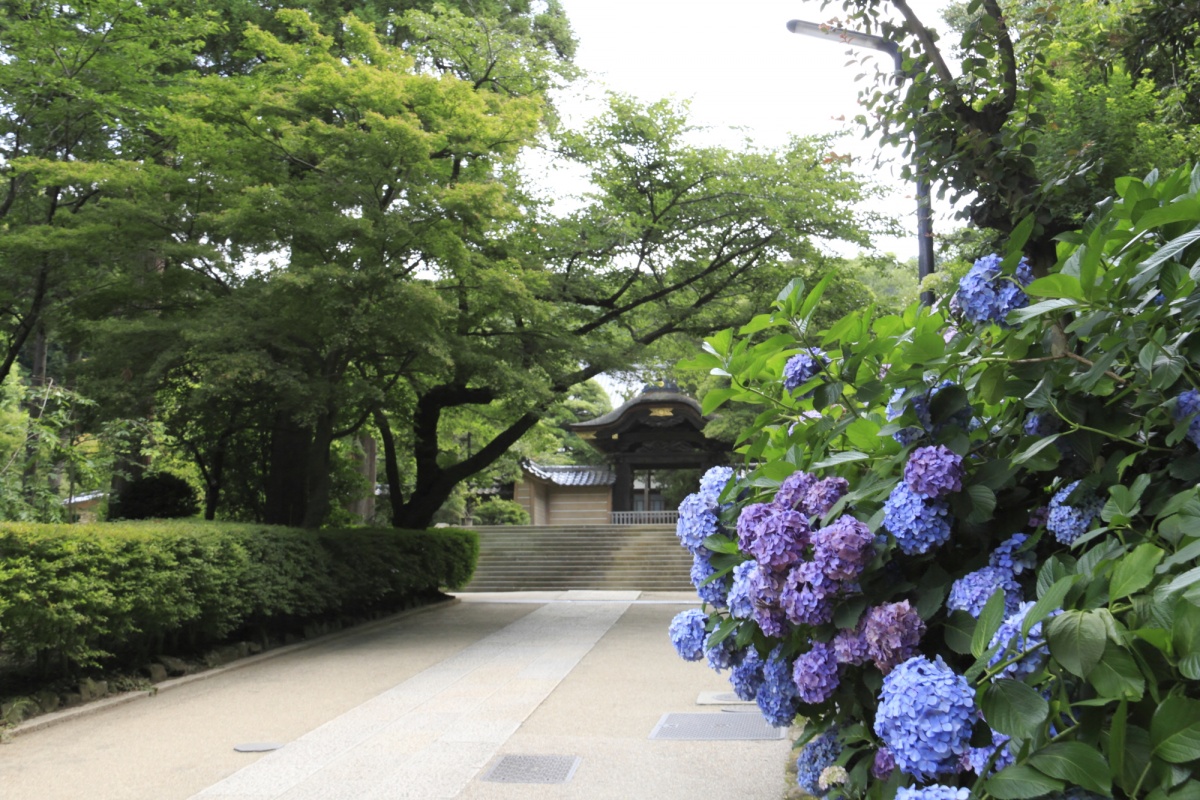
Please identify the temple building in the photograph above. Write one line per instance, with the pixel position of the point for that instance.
(660, 429)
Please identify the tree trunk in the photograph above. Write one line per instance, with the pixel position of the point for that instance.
(318, 481)
(391, 468)
(286, 487)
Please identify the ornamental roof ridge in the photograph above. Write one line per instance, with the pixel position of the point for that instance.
(570, 474)
(650, 397)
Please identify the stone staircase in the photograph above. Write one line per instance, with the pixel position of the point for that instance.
(543, 558)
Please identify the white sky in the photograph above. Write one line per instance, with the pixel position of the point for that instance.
(740, 66)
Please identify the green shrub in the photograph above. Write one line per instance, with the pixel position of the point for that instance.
(500, 512)
(75, 596)
(158, 496)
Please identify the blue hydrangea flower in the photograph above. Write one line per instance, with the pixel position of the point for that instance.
(823, 494)
(843, 548)
(815, 757)
(721, 656)
(1009, 555)
(1068, 522)
(714, 592)
(976, 758)
(697, 521)
(1041, 424)
(746, 677)
(740, 605)
(1009, 635)
(688, 634)
(925, 715)
(778, 695)
(793, 490)
(934, 472)
(1188, 405)
(918, 523)
(892, 632)
(987, 296)
(934, 791)
(803, 367)
(815, 673)
(971, 592)
(749, 522)
(781, 539)
(713, 483)
(920, 407)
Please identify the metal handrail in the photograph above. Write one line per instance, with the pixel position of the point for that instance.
(645, 517)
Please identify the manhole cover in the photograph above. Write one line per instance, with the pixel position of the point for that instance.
(257, 747)
(715, 727)
(532, 769)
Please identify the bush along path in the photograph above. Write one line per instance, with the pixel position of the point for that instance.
(86, 609)
(966, 542)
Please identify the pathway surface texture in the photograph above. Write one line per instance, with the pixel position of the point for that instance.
(424, 705)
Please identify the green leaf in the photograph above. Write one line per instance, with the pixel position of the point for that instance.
(1035, 448)
(1134, 571)
(983, 503)
(1077, 640)
(1074, 762)
(1013, 708)
(1038, 309)
(1050, 601)
(990, 619)
(844, 457)
(958, 630)
(1116, 738)
(721, 632)
(1116, 675)
(720, 544)
(715, 398)
(1175, 730)
(1019, 782)
(1057, 285)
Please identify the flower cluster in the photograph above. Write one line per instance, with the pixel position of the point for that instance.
(976, 758)
(1027, 653)
(987, 296)
(803, 367)
(934, 791)
(1068, 522)
(918, 523)
(816, 757)
(919, 405)
(746, 677)
(1011, 557)
(697, 521)
(892, 632)
(777, 695)
(971, 592)
(738, 599)
(925, 715)
(722, 655)
(815, 673)
(934, 472)
(1187, 406)
(687, 634)
(711, 590)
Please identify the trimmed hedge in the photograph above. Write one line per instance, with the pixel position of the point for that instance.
(74, 596)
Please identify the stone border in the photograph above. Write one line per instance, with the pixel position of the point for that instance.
(67, 714)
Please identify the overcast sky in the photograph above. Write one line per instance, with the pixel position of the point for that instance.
(739, 66)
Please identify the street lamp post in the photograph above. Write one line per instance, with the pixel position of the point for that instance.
(924, 213)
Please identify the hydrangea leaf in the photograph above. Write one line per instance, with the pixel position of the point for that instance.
(1117, 675)
(990, 619)
(1019, 782)
(1175, 730)
(1014, 709)
(1077, 640)
(983, 503)
(1057, 285)
(1049, 601)
(1134, 571)
(958, 630)
(1076, 763)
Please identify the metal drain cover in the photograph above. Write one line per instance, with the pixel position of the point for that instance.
(257, 747)
(532, 769)
(715, 727)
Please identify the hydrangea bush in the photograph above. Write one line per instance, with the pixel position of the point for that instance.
(964, 545)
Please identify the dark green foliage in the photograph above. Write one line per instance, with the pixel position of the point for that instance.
(78, 596)
(158, 496)
(500, 512)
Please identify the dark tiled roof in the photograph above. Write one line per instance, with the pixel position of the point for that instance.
(571, 475)
(649, 397)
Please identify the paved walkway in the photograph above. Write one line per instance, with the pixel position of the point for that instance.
(422, 706)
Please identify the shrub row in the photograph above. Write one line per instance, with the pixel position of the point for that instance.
(74, 596)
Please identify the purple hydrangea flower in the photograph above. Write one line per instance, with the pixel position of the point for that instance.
(892, 633)
(815, 673)
(781, 539)
(920, 407)
(746, 677)
(971, 592)
(805, 595)
(688, 634)
(697, 522)
(934, 472)
(1041, 424)
(792, 491)
(883, 764)
(918, 523)
(1009, 555)
(713, 483)
(765, 589)
(721, 656)
(843, 548)
(823, 494)
(976, 758)
(1038, 516)
(987, 296)
(778, 695)
(925, 715)
(749, 522)
(934, 791)
(814, 758)
(1009, 635)
(850, 646)
(1067, 522)
(740, 605)
(1187, 405)
(714, 592)
(803, 367)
